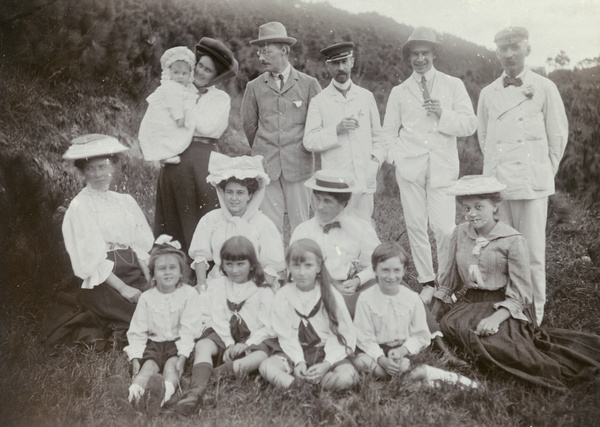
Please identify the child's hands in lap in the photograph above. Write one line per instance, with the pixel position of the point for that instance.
(300, 371)
(389, 365)
(316, 372)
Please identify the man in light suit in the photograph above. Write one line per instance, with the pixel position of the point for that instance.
(343, 124)
(424, 116)
(523, 133)
(273, 117)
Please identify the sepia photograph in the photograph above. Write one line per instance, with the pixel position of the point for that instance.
(299, 213)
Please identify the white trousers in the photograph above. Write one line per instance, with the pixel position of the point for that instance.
(361, 204)
(423, 205)
(281, 193)
(529, 218)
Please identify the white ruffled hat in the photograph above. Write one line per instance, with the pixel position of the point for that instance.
(93, 145)
(222, 167)
(178, 53)
(470, 185)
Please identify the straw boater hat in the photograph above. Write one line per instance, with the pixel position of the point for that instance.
(222, 167)
(331, 181)
(471, 185)
(220, 53)
(420, 34)
(338, 51)
(93, 145)
(272, 32)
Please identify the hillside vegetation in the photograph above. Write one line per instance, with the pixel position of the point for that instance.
(71, 67)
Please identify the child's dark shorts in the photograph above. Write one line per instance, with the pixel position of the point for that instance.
(159, 352)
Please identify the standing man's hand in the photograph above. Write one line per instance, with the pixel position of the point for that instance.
(433, 106)
(346, 124)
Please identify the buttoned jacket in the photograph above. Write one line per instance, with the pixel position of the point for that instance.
(523, 134)
(350, 151)
(419, 140)
(273, 121)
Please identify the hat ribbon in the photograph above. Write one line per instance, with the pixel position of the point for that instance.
(331, 184)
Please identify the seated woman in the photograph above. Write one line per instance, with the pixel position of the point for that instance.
(346, 240)
(493, 321)
(347, 243)
(106, 235)
(240, 184)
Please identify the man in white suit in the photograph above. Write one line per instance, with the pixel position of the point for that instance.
(424, 116)
(343, 124)
(523, 133)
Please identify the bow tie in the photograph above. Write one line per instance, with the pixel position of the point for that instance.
(512, 81)
(334, 224)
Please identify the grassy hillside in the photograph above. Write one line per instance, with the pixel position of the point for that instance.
(82, 66)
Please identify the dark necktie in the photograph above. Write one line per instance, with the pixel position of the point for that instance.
(334, 224)
(424, 89)
(238, 327)
(280, 81)
(306, 333)
(516, 81)
(342, 91)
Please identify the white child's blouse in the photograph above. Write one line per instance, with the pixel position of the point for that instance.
(165, 317)
(390, 319)
(286, 322)
(100, 221)
(256, 311)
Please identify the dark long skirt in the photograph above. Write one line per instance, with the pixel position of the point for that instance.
(550, 357)
(95, 316)
(183, 196)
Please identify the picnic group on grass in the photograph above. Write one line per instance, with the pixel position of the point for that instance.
(213, 280)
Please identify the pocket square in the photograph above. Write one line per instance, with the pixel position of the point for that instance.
(298, 104)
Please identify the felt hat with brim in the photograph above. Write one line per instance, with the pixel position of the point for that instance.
(472, 185)
(93, 145)
(222, 167)
(420, 34)
(338, 51)
(330, 181)
(511, 35)
(219, 53)
(272, 32)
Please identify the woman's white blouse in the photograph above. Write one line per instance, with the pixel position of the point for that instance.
(256, 311)
(100, 221)
(211, 113)
(165, 317)
(390, 319)
(286, 322)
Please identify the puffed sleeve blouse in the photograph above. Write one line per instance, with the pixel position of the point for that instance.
(210, 115)
(500, 260)
(100, 221)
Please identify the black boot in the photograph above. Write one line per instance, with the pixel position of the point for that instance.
(191, 400)
(439, 345)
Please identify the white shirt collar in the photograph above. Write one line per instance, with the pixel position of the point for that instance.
(285, 73)
(342, 86)
(429, 75)
(521, 75)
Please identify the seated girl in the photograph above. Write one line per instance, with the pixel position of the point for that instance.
(240, 304)
(162, 330)
(494, 320)
(312, 324)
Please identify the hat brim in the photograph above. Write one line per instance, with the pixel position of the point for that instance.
(475, 192)
(92, 150)
(406, 46)
(312, 184)
(268, 40)
(222, 56)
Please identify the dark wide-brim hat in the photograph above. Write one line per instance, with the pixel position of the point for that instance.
(331, 181)
(423, 35)
(338, 51)
(272, 32)
(220, 53)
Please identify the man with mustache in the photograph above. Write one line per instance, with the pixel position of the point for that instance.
(343, 124)
(523, 133)
(424, 116)
(273, 117)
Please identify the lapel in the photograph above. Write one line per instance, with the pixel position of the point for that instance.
(505, 100)
(414, 88)
(291, 81)
(270, 82)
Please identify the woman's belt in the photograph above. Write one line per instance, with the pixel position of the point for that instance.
(204, 140)
(116, 246)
